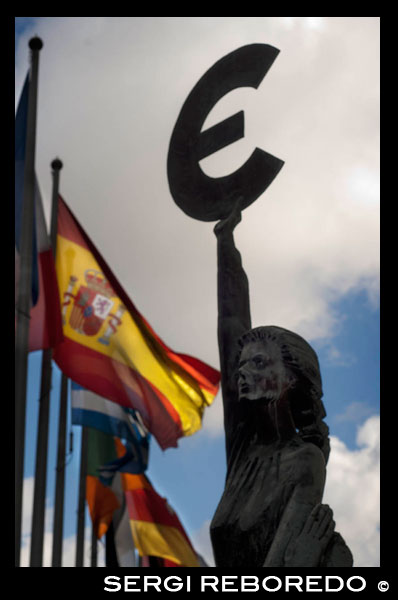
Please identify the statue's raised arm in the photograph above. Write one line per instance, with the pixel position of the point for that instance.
(233, 305)
(277, 444)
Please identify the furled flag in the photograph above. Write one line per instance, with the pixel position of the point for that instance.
(45, 328)
(91, 410)
(119, 545)
(21, 124)
(107, 504)
(156, 529)
(110, 349)
(102, 499)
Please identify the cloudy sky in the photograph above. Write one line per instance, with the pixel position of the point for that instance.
(110, 91)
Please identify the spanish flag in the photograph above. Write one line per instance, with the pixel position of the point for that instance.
(156, 529)
(110, 349)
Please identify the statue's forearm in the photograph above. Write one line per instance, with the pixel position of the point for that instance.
(233, 308)
(233, 286)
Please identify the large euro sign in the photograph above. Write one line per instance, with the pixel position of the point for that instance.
(198, 195)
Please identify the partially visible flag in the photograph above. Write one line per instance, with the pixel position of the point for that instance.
(156, 529)
(102, 500)
(45, 327)
(91, 410)
(107, 503)
(21, 124)
(119, 544)
(130, 462)
(110, 349)
(156, 562)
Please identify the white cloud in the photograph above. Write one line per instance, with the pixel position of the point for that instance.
(352, 491)
(213, 419)
(68, 550)
(337, 358)
(110, 91)
(363, 186)
(309, 23)
(202, 543)
(354, 413)
(27, 509)
(69, 543)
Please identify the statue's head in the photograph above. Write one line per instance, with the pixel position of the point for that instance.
(274, 360)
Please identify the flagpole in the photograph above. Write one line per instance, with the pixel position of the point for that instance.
(24, 292)
(94, 547)
(58, 527)
(81, 500)
(111, 559)
(56, 166)
(36, 548)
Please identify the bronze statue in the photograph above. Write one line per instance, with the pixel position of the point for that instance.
(277, 445)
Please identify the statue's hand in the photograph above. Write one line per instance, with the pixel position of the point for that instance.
(307, 549)
(228, 224)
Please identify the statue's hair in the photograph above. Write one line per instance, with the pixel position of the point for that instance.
(298, 356)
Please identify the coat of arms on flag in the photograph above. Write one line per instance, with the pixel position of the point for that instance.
(92, 305)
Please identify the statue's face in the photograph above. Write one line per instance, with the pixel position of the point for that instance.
(262, 373)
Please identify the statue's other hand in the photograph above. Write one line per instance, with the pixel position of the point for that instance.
(307, 549)
(228, 224)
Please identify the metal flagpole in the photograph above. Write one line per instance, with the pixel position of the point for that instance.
(58, 527)
(81, 500)
(36, 545)
(39, 499)
(111, 559)
(94, 547)
(24, 292)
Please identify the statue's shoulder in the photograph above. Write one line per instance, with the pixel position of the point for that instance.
(305, 455)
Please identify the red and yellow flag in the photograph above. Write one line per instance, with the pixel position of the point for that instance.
(110, 349)
(155, 527)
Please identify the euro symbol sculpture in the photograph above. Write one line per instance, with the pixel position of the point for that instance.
(198, 195)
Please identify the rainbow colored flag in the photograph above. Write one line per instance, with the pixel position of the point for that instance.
(110, 349)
